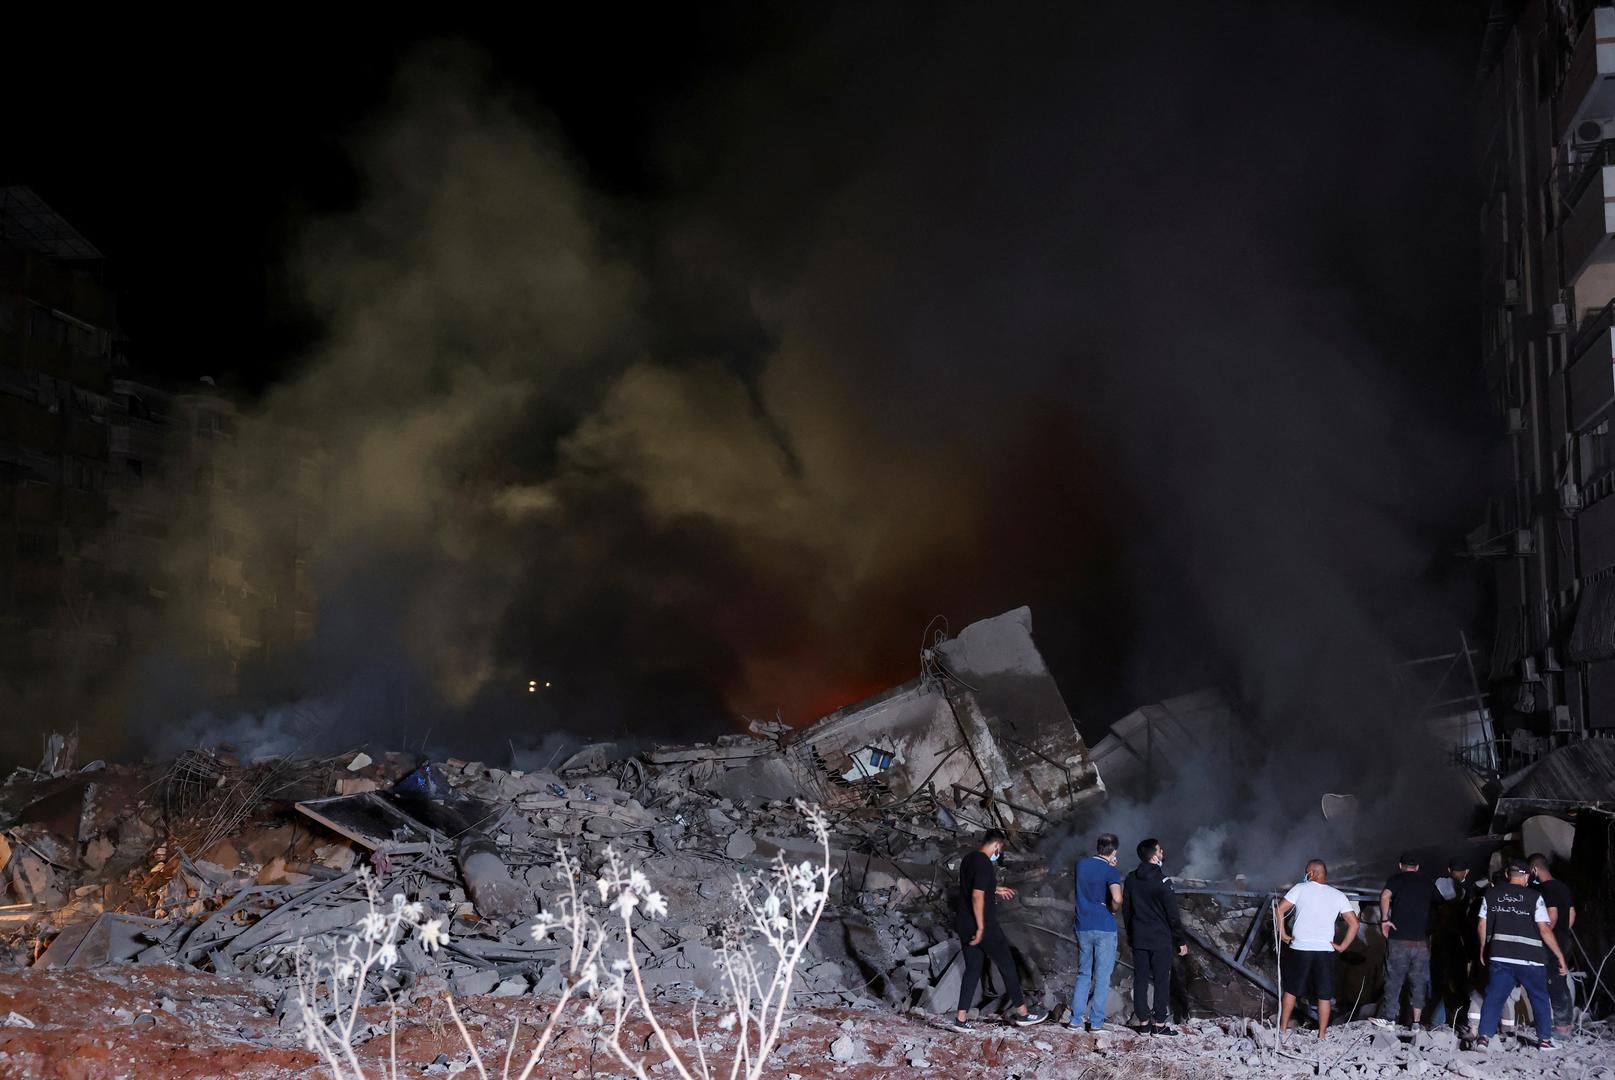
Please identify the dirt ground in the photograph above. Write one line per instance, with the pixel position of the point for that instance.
(163, 1022)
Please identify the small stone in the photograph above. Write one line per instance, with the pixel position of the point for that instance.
(739, 846)
(845, 1049)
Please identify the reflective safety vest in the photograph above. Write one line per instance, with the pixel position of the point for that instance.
(1512, 935)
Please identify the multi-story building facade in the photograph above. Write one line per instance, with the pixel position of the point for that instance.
(1546, 134)
(57, 327)
(134, 517)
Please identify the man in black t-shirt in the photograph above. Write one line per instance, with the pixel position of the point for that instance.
(1562, 919)
(1405, 906)
(976, 920)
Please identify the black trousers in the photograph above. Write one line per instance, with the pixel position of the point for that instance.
(1153, 967)
(995, 947)
(1559, 994)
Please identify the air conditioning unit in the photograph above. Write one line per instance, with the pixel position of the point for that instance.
(1516, 420)
(1528, 670)
(1570, 499)
(1550, 660)
(1559, 318)
(1524, 542)
(1511, 292)
(1590, 132)
(1561, 720)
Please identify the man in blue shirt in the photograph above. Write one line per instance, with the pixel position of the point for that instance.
(1099, 894)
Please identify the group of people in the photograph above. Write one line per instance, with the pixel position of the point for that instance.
(1450, 945)
(1148, 907)
(1468, 951)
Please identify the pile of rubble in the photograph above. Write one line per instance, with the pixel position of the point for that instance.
(212, 864)
(215, 864)
(219, 864)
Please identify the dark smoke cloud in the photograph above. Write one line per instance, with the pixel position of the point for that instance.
(1156, 322)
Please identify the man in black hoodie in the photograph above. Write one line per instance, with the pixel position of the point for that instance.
(1150, 913)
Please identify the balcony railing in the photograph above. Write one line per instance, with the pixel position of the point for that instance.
(1588, 331)
(1579, 177)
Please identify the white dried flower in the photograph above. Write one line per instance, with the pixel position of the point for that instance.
(728, 1021)
(592, 1016)
(625, 903)
(387, 956)
(432, 935)
(373, 927)
(655, 905)
(637, 880)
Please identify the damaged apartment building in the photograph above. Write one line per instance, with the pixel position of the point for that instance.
(1545, 128)
(102, 473)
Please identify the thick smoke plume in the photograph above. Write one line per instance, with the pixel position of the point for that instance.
(946, 317)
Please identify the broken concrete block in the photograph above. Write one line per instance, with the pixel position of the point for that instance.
(338, 857)
(515, 986)
(739, 846)
(941, 955)
(96, 853)
(480, 982)
(549, 980)
(847, 1050)
(943, 996)
(32, 880)
(353, 785)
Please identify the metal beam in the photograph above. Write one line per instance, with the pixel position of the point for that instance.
(1250, 973)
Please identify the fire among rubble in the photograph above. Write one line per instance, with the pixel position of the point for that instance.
(199, 888)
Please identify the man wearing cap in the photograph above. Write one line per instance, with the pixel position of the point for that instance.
(1405, 905)
(1516, 938)
(1453, 945)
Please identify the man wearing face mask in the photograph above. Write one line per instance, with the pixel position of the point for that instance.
(1155, 929)
(1099, 894)
(1308, 965)
(976, 920)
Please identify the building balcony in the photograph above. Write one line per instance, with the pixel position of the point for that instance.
(1591, 377)
(1588, 91)
(1588, 198)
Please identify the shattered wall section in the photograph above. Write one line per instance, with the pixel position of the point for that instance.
(991, 731)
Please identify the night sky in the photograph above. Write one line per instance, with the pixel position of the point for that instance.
(1161, 322)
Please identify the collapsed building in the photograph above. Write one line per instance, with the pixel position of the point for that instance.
(228, 866)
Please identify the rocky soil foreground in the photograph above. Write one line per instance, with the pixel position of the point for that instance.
(163, 1021)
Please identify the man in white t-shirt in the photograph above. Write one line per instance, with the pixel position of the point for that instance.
(1308, 964)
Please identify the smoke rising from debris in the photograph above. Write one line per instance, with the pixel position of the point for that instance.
(946, 318)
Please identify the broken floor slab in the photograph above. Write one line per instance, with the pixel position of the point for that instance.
(984, 724)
